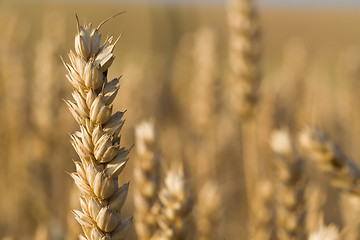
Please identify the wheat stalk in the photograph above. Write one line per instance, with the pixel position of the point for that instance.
(147, 176)
(330, 159)
(174, 208)
(291, 202)
(98, 142)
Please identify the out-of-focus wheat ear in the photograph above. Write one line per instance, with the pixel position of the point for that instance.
(262, 214)
(290, 174)
(330, 232)
(315, 198)
(320, 148)
(203, 85)
(244, 57)
(208, 212)
(175, 205)
(291, 85)
(42, 233)
(98, 140)
(147, 180)
(45, 103)
(14, 102)
(72, 228)
(7, 238)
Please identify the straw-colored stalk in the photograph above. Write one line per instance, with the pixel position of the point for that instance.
(244, 56)
(175, 205)
(208, 212)
(345, 175)
(98, 142)
(147, 179)
(290, 202)
(261, 213)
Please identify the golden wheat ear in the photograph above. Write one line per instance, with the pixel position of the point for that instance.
(147, 180)
(98, 141)
(330, 159)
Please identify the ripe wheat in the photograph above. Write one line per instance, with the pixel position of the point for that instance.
(147, 179)
(174, 208)
(291, 202)
(98, 142)
(330, 159)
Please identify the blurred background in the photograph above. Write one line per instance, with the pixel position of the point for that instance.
(310, 75)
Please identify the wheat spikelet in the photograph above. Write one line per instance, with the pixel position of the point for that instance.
(244, 55)
(98, 142)
(174, 208)
(261, 212)
(208, 211)
(330, 159)
(290, 168)
(147, 176)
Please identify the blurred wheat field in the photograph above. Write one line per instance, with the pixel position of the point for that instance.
(174, 63)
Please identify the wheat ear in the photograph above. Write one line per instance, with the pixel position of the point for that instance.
(175, 206)
(208, 211)
(330, 159)
(147, 178)
(261, 213)
(291, 202)
(244, 56)
(98, 142)
(330, 232)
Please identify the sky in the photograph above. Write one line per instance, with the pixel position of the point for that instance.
(280, 3)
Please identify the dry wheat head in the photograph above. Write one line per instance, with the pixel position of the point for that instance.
(330, 232)
(174, 208)
(261, 219)
(330, 159)
(147, 179)
(244, 56)
(291, 202)
(208, 211)
(98, 141)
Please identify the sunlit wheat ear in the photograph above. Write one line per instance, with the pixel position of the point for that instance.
(97, 142)
(290, 202)
(262, 214)
(147, 179)
(208, 211)
(244, 56)
(344, 174)
(175, 206)
(330, 232)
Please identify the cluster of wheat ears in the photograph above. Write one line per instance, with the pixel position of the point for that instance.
(165, 206)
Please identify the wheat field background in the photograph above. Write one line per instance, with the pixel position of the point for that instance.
(310, 73)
